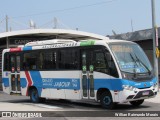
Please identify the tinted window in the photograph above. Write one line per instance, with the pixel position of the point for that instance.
(6, 62)
(48, 59)
(68, 59)
(30, 61)
(101, 60)
(100, 63)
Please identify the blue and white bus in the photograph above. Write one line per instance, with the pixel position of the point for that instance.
(102, 70)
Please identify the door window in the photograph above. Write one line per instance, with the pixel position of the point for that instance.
(100, 62)
(12, 63)
(6, 62)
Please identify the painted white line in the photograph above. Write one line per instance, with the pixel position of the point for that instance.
(47, 106)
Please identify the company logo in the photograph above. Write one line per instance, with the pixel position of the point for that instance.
(21, 114)
(6, 114)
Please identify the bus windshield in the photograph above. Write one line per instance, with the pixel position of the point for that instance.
(131, 58)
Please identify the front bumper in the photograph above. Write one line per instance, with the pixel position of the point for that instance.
(142, 94)
(138, 94)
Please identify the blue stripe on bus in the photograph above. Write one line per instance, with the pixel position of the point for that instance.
(116, 84)
(74, 83)
(23, 82)
(5, 81)
(27, 48)
(145, 84)
(111, 84)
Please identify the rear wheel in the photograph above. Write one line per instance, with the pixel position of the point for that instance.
(34, 97)
(42, 100)
(106, 100)
(137, 102)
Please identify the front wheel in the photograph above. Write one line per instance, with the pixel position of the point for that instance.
(106, 100)
(137, 102)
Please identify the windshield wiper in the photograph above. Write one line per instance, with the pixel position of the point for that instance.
(133, 59)
(142, 64)
(135, 73)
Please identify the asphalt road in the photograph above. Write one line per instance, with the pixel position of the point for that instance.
(80, 110)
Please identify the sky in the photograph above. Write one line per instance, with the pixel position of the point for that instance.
(96, 16)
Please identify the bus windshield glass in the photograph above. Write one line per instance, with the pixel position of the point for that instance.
(131, 58)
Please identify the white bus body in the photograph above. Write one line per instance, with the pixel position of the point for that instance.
(107, 71)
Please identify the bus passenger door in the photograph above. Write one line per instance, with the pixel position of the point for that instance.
(87, 74)
(15, 73)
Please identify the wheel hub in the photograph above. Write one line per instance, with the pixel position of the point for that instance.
(107, 100)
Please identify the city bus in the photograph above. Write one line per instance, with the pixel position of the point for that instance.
(102, 70)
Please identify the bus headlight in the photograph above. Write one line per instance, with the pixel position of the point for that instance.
(131, 88)
(135, 89)
(155, 85)
(127, 87)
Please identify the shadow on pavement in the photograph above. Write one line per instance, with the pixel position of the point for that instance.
(70, 104)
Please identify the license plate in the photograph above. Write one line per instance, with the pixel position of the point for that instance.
(145, 93)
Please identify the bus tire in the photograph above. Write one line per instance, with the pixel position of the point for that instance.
(137, 102)
(42, 100)
(34, 97)
(106, 100)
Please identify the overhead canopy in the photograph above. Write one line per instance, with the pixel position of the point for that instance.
(52, 34)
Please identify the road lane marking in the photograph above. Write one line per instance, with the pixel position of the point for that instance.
(47, 106)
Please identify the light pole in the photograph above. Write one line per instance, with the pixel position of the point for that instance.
(155, 43)
(7, 41)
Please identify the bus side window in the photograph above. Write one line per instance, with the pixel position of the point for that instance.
(49, 60)
(68, 59)
(41, 61)
(25, 66)
(30, 61)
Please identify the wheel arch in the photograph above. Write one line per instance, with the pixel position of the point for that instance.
(30, 88)
(102, 90)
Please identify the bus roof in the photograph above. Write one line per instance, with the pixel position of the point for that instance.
(117, 40)
(70, 43)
